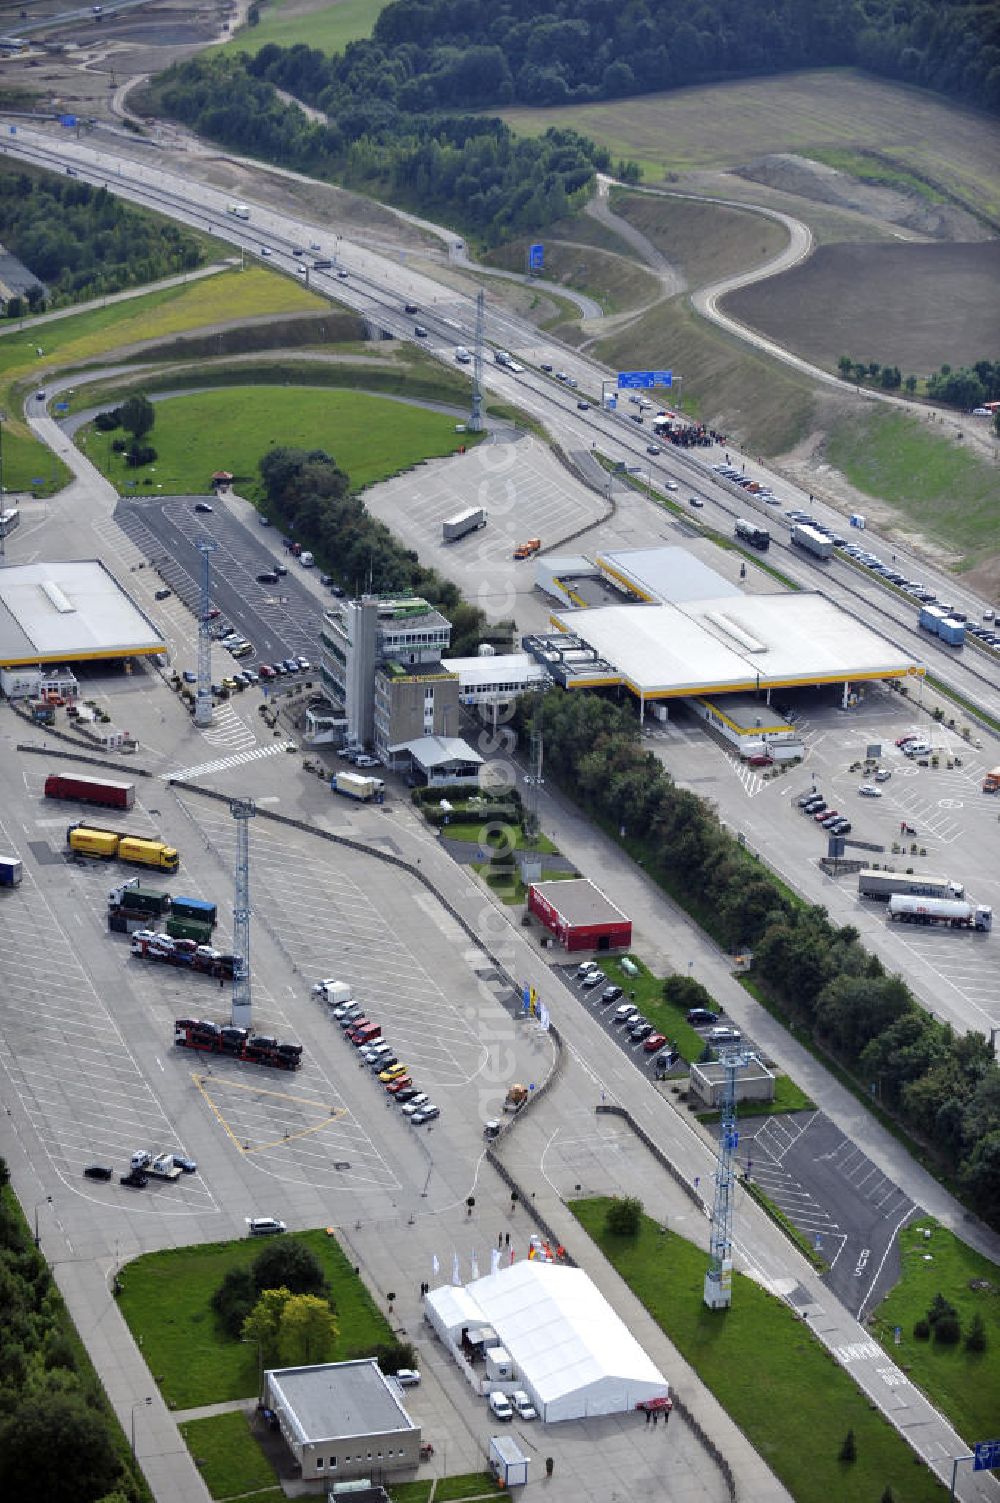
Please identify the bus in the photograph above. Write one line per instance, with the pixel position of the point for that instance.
(9, 519)
(749, 532)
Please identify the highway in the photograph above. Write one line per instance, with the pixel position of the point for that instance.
(377, 287)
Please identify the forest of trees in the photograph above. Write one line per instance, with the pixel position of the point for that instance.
(82, 242)
(395, 102)
(468, 170)
(311, 497)
(941, 1088)
(967, 387)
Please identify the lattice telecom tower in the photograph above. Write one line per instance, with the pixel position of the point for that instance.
(476, 416)
(243, 811)
(203, 700)
(718, 1292)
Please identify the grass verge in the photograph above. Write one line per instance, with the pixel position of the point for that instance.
(939, 487)
(227, 1455)
(166, 1301)
(329, 28)
(512, 890)
(964, 1385)
(516, 838)
(468, 1485)
(80, 337)
(787, 1394)
(370, 437)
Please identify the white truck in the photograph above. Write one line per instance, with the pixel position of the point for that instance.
(882, 885)
(334, 993)
(160, 1165)
(457, 526)
(948, 911)
(239, 211)
(357, 785)
(816, 543)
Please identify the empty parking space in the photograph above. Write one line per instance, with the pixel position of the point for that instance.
(525, 493)
(836, 1197)
(78, 1081)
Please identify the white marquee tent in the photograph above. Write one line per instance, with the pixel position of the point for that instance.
(570, 1350)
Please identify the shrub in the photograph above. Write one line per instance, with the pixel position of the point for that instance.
(849, 1448)
(104, 422)
(624, 1217)
(948, 1330)
(975, 1340)
(921, 1330)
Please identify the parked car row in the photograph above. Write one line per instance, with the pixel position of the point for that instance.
(746, 482)
(828, 819)
(628, 1017)
(378, 1055)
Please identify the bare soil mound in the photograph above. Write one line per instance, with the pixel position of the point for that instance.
(819, 183)
(917, 306)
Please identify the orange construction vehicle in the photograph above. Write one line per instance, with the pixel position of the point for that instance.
(525, 550)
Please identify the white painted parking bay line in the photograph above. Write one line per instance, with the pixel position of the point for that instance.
(221, 763)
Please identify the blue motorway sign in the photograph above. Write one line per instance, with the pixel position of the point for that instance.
(641, 380)
(536, 256)
(68, 120)
(986, 1456)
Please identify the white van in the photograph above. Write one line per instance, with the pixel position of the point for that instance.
(462, 355)
(306, 560)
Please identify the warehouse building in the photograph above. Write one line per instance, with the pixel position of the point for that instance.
(579, 915)
(70, 612)
(566, 1346)
(343, 1420)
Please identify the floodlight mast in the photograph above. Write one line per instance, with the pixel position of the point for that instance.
(718, 1290)
(243, 811)
(203, 700)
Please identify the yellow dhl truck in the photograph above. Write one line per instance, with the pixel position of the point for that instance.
(110, 845)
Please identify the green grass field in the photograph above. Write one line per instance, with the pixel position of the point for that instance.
(370, 437)
(327, 26)
(166, 1302)
(78, 338)
(939, 488)
(447, 1489)
(787, 1394)
(721, 126)
(615, 280)
(964, 1386)
(227, 1455)
(471, 830)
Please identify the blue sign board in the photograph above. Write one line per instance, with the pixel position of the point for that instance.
(987, 1455)
(13, 130)
(68, 120)
(62, 407)
(641, 380)
(536, 256)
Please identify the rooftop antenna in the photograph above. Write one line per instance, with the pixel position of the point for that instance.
(718, 1290)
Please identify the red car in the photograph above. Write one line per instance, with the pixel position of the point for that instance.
(402, 1083)
(824, 814)
(213, 614)
(654, 1042)
(905, 740)
(760, 761)
(266, 671)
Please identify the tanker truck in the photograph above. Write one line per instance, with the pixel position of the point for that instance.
(952, 912)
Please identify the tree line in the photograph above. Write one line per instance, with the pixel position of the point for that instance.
(58, 1437)
(969, 386)
(943, 1090)
(82, 242)
(470, 171)
(432, 55)
(310, 496)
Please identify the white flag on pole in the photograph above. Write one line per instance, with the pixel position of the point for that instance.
(495, 1260)
(456, 1276)
(435, 1264)
(475, 1266)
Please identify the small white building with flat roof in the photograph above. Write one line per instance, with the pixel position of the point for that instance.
(343, 1419)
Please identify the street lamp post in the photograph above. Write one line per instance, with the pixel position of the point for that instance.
(137, 1405)
(46, 1202)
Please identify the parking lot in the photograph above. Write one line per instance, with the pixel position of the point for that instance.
(525, 493)
(952, 972)
(91, 1055)
(281, 620)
